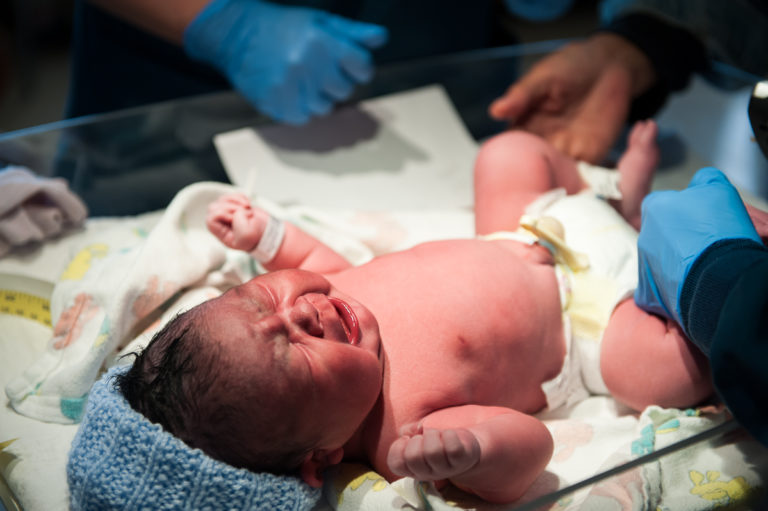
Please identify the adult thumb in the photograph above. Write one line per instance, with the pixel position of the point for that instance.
(708, 175)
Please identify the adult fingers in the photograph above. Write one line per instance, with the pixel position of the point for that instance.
(708, 175)
(368, 34)
(336, 85)
(315, 101)
(515, 103)
(354, 60)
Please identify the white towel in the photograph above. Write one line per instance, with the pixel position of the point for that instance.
(103, 296)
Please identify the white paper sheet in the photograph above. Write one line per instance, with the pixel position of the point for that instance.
(407, 151)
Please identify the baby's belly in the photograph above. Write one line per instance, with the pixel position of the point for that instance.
(497, 373)
(513, 380)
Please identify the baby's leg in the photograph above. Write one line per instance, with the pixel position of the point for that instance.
(636, 168)
(511, 170)
(646, 360)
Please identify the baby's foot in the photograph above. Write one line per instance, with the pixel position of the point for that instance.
(636, 168)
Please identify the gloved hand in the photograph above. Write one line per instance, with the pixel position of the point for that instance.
(677, 226)
(291, 63)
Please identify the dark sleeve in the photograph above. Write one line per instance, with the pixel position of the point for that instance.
(116, 65)
(675, 53)
(724, 309)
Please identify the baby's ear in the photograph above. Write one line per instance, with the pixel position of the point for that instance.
(316, 462)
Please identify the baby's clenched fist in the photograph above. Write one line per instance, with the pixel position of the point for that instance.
(233, 220)
(433, 454)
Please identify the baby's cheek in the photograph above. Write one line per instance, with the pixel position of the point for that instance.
(367, 377)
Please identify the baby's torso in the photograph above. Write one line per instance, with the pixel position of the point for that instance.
(480, 322)
(463, 322)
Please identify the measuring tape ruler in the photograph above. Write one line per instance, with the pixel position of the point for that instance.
(26, 297)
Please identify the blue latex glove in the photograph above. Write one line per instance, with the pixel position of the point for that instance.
(677, 226)
(291, 63)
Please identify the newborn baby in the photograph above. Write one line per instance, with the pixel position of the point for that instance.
(426, 363)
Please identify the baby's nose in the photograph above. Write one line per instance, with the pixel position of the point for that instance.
(305, 316)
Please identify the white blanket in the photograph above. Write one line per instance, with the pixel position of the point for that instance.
(592, 437)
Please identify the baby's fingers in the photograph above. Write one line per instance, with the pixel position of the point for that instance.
(405, 457)
(462, 450)
(222, 209)
(237, 199)
(418, 459)
(396, 456)
(218, 211)
(229, 203)
(246, 229)
(410, 429)
(449, 452)
(434, 454)
(219, 222)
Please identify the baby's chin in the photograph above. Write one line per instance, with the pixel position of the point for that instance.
(370, 336)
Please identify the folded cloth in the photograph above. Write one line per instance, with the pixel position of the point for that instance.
(107, 292)
(120, 460)
(33, 208)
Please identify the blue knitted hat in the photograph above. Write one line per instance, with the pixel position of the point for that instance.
(121, 460)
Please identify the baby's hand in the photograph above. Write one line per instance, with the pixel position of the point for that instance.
(238, 225)
(433, 454)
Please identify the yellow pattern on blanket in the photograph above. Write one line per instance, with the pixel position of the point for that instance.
(106, 296)
(722, 492)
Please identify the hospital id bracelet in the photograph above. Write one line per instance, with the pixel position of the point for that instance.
(270, 241)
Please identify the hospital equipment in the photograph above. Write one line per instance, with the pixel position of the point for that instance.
(128, 166)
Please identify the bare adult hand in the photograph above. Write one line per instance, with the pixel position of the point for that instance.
(578, 98)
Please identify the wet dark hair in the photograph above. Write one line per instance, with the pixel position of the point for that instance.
(176, 382)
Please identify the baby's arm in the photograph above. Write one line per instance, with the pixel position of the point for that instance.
(493, 452)
(239, 225)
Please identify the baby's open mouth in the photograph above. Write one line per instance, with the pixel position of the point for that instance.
(348, 320)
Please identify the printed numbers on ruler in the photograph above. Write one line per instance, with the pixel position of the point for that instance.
(25, 305)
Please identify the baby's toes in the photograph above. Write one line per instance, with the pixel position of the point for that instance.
(643, 134)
